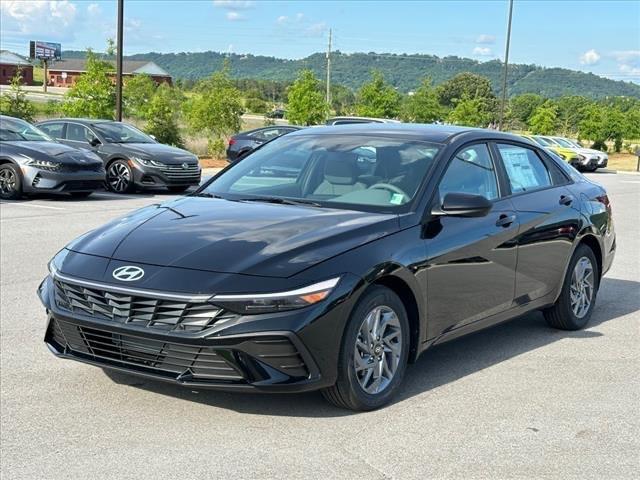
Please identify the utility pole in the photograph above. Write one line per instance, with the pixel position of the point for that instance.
(506, 67)
(45, 62)
(328, 96)
(119, 61)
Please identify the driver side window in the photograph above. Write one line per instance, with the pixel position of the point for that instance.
(471, 171)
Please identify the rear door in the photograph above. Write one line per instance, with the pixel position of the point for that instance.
(471, 261)
(549, 219)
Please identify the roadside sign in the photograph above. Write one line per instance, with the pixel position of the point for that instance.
(45, 50)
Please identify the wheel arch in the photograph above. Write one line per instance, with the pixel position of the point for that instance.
(592, 242)
(408, 298)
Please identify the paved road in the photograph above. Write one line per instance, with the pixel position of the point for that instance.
(517, 401)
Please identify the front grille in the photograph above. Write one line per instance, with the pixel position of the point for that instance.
(177, 172)
(173, 360)
(159, 314)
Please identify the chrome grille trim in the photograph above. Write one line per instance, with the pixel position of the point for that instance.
(132, 291)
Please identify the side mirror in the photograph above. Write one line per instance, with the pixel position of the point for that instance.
(94, 142)
(464, 205)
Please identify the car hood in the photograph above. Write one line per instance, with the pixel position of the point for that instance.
(159, 151)
(234, 237)
(591, 151)
(53, 151)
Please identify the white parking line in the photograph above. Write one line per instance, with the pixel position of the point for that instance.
(20, 204)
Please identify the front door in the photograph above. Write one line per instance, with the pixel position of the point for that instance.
(471, 261)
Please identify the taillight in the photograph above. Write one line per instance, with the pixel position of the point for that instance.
(604, 199)
(232, 141)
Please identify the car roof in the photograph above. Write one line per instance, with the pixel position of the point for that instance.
(84, 121)
(426, 132)
(268, 127)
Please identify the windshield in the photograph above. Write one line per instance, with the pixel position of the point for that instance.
(337, 171)
(13, 129)
(121, 133)
(564, 143)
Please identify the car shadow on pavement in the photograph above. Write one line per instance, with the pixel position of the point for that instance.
(438, 366)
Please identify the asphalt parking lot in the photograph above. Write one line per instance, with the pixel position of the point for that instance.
(519, 400)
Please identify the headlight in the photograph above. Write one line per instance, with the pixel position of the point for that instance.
(44, 164)
(276, 302)
(148, 162)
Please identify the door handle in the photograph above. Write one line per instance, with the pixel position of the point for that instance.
(566, 200)
(505, 220)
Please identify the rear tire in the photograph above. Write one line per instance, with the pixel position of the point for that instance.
(577, 299)
(374, 352)
(10, 182)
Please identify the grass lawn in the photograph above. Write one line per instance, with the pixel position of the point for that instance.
(622, 161)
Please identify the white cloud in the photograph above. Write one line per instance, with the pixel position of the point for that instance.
(590, 57)
(233, 4)
(485, 39)
(48, 20)
(234, 16)
(626, 55)
(482, 51)
(316, 29)
(94, 9)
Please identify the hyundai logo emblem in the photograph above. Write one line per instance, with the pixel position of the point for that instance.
(185, 166)
(128, 273)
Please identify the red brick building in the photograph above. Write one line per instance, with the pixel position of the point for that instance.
(64, 73)
(10, 63)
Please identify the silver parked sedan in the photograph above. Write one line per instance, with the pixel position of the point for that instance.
(32, 162)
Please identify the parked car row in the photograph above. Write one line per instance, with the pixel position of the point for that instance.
(79, 156)
(586, 159)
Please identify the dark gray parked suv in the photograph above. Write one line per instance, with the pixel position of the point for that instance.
(132, 158)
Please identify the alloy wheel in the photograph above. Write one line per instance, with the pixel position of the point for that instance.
(118, 177)
(377, 350)
(581, 288)
(7, 181)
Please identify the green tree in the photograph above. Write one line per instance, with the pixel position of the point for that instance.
(94, 94)
(469, 85)
(138, 91)
(523, 106)
(632, 124)
(569, 113)
(343, 99)
(544, 120)
(216, 108)
(378, 99)
(14, 102)
(162, 115)
(472, 112)
(306, 104)
(423, 106)
(600, 124)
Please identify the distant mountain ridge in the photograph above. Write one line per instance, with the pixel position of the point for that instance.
(403, 71)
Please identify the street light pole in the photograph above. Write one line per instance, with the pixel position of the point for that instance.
(506, 67)
(119, 61)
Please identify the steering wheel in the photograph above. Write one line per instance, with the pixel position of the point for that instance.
(389, 187)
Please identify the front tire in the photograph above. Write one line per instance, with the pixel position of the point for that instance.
(10, 182)
(374, 352)
(577, 299)
(120, 177)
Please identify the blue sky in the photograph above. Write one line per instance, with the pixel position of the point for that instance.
(602, 37)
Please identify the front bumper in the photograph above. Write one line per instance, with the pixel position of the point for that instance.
(45, 181)
(171, 176)
(292, 352)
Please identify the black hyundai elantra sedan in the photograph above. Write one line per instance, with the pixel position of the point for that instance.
(330, 258)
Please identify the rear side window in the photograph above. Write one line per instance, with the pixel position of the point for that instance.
(77, 133)
(471, 171)
(52, 129)
(525, 169)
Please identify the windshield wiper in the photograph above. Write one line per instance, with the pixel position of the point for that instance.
(205, 195)
(281, 201)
